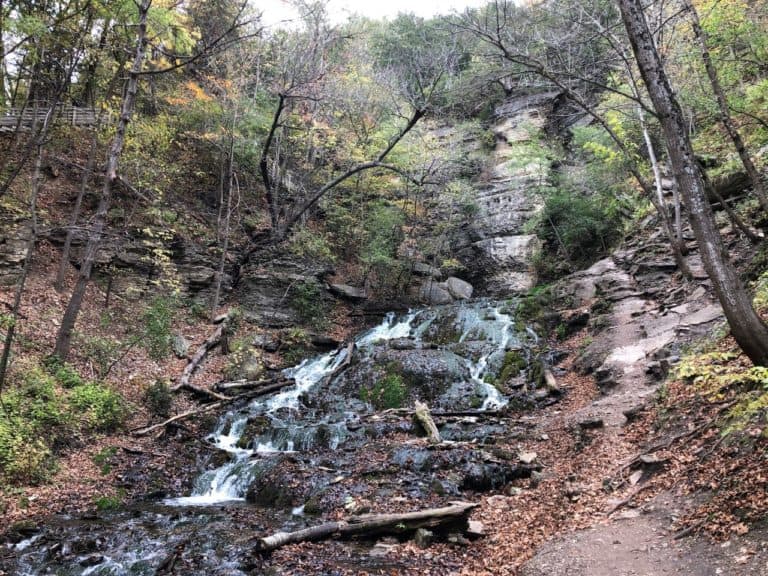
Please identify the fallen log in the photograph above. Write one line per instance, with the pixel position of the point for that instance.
(224, 400)
(194, 362)
(264, 386)
(455, 515)
(146, 430)
(422, 417)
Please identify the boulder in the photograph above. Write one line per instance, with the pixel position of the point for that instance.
(435, 293)
(459, 289)
(348, 292)
(424, 269)
(180, 346)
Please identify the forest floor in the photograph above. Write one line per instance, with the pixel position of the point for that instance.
(657, 492)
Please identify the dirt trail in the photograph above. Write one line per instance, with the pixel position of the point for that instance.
(648, 322)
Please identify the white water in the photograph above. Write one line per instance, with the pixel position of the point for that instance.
(492, 325)
(229, 482)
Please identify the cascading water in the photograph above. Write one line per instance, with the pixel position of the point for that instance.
(229, 482)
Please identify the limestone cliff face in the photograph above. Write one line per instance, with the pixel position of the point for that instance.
(499, 252)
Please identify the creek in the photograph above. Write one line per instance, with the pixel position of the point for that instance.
(283, 461)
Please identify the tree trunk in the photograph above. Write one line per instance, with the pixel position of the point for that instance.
(373, 524)
(722, 103)
(228, 182)
(58, 284)
(746, 326)
(64, 336)
(30, 248)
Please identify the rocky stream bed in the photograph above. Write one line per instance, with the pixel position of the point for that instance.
(340, 442)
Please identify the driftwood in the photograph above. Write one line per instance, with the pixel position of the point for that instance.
(146, 430)
(550, 380)
(264, 386)
(219, 335)
(374, 524)
(263, 390)
(424, 419)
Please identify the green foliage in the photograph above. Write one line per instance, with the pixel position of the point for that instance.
(157, 333)
(103, 351)
(580, 228)
(109, 503)
(383, 234)
(159, 398)
(514, 363)
(68, 377)
(31, 421)
(388, 392)
(311, 245)
(307, 301)
(534, 304)
(97, 407)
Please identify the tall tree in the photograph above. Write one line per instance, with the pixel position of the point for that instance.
(722, 105)
(747, 328)
(64, 335)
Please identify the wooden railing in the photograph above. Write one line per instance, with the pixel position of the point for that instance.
(75, 115)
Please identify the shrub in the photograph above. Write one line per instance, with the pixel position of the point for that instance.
(307, 300)
(67, 376)
(24, 458)
(581, 228)
(389, 392)
(159, 398)
(31, 422)
(109, 503)
(157, 333)
(97, 407)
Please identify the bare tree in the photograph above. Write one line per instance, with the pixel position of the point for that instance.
(413, 77)
(747, 328)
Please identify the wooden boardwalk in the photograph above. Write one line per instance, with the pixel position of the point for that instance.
(75, 115)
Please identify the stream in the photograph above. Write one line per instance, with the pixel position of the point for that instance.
(284, 460)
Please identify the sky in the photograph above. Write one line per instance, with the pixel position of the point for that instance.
(278, 10)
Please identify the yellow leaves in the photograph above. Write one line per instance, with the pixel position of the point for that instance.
(189, 93)
(197, 91)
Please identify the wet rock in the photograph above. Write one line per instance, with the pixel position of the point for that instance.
(491, 476)
(633, 413)
(403, 344)
(251, 367)
(606, 379)
(272, 493)
(266, 342)
(92, 560)
(536, 478)
(459, 289)
(254, 428)
(348, 292)
(591, 423)
(21, 530)
(435, 294)
(423, 538)
(324, 342)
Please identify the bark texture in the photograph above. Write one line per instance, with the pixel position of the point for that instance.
(746, 326)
